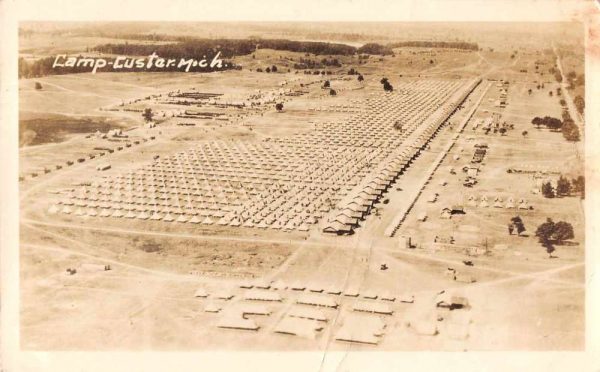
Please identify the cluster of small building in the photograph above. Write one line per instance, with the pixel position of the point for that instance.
(502, 86)
(498, 202)
(309, 311)
(102, 151)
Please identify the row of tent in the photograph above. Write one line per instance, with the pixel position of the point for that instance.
(274, 183)
(373, 126)
(360, 200)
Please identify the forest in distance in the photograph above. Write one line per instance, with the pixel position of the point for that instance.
(184, 47)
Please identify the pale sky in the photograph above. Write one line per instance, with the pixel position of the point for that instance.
(303, 10)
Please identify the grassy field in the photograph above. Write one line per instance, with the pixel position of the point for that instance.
(37, 129)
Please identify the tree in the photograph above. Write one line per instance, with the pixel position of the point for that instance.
(549, 247)
(553, 124)
(332, 92)
(563, 186)
(511, 228)
(550, 93)
(550, 233)
(273, 68)
(579, 104)
(562, 102)
(579, 186)
(268, 69)
(148, 114)
(360, 78)
(518, 224)
(38, 85)
(537, 121)
(279, 107)
(562, 231)
(547, 190)
(524, 133)
(558, 76)
(529, 91)
(386, 84)
(545, 230)
(544, 233)
(502, 131)
(570, 131)
(326, 84)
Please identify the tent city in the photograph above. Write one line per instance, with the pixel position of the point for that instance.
(330, 187)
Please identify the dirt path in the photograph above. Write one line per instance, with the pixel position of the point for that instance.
(514, 274)
(80, 93)
(416, 189)
(570, 104)
(77, 77)
(116, 263)
(27, 221)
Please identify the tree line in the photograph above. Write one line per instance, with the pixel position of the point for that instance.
(196, 48)
(564, 187)
(567, 126)
(569, 129)
(187, 47)
(575, 80)
(464, 45)
(387, 49)
(375, 49)
(307, 63)
(312, 47)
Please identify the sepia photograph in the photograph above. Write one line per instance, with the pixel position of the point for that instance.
(302, 186)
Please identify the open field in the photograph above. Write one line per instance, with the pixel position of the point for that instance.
(360, 220)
